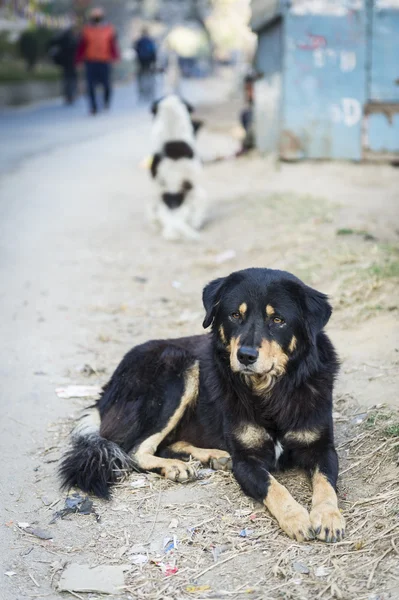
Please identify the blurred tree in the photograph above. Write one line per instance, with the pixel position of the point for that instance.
(29, 48)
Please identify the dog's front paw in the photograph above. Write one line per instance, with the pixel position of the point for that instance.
(327, 522)
(177, 470)
(296, 524)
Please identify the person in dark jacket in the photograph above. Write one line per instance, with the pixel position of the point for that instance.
(62, 51)
(146, 54)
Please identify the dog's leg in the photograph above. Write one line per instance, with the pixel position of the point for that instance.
(219, 460)
(253, 476)
(144, 455)
(327, 521)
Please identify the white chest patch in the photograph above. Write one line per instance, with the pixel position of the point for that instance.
(278, 450)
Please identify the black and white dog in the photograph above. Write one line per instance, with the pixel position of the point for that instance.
(176, 169)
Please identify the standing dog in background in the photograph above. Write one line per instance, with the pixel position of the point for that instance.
(176, 169)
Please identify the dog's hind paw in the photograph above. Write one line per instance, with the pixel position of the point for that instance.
(221, 463)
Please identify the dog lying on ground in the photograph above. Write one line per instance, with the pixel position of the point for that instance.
(176, 169)
(254, 395)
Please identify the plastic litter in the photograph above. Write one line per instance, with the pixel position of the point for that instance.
(78, 391)
(245, 532)
(76, 504)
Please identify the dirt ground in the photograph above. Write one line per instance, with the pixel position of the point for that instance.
(106, 282)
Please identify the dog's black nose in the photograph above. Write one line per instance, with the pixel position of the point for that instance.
(247, 355)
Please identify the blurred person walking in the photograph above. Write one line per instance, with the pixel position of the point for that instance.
(98, 49)
(146, 54)
(62, 51)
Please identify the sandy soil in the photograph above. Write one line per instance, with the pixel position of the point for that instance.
(86, 279)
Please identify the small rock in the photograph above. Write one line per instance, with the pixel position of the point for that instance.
(300, 568)
(39, 533)
(105, 579)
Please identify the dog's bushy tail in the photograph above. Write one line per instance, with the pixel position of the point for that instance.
(93, 463)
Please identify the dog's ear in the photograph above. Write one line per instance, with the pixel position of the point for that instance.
(318, 310)
(211, 297)
(154, 106)
(197, 124)
(189, 106)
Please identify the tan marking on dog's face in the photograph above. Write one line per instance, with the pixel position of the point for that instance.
(271, 355)
(327, 521)
(291, 516)
(271, 365)
(234, 345)
(251, 435)
(305, 436)
(242, 309)
(222, 335)
(270, 310)
(293, 344)
(144, 454)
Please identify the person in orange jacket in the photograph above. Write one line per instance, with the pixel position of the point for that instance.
(98, 49)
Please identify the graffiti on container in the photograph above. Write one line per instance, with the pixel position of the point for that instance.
(313, 42)
(348, 111)
(333, 8)
(344, 59)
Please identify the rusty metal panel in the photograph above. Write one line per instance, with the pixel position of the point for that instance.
(384, 85)
(324, 79)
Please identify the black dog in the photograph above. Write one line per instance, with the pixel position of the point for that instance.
(258, 389)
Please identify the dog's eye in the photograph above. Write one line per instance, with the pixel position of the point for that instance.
(235, 316)
(278, 320)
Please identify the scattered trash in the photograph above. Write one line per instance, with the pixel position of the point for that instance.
(245, 532)
(225, 256)
(176, 284)
(39, 533)
(322, 571)
(253, 517)
(197, 588)
(170, 544)
(167, 568)
(76, 504)
(106, 579)
(140, 483)
(204, 473)
(78, 391)
(358, 419)
(173, 524)
(217, 551)
(10, 573)
(23, 525)
(138, 559)
(140, 279)
(300, 568)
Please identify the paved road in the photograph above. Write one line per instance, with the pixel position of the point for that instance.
(65, 180)
(25, 132)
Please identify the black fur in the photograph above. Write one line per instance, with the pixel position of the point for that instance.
(147, 386)
(93, 463)
(173, 201)
(178, 149)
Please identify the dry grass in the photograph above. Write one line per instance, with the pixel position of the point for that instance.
(204, 520)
